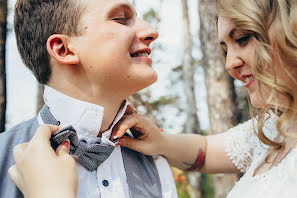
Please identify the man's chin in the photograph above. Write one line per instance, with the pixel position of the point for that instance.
(152, 80)
(143, 85)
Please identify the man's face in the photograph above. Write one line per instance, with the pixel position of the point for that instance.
(114, 48)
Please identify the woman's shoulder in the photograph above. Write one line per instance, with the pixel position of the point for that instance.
(249, 127)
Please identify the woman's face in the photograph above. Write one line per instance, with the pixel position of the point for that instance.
(238, 49)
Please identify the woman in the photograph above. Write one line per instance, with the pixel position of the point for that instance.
(259, 42)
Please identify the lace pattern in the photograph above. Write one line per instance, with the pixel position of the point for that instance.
(238, 143)
(247, 152)
(242, 144)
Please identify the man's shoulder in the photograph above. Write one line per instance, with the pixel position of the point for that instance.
(20, 133)
(21, 126)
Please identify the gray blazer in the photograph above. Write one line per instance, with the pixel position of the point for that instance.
(19, 134)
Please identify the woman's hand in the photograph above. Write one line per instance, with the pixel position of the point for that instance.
(181, 150)
(39, 171)
(150, 140)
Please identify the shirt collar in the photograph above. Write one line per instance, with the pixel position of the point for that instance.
(85, 117)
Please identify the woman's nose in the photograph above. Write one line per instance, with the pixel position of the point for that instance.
(145, 32)
(233, 61)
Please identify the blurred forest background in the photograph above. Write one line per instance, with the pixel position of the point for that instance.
(194, 93)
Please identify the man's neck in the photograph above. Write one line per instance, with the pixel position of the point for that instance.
(110, 112)
(110, 102)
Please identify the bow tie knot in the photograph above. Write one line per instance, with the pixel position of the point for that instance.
(90, 154)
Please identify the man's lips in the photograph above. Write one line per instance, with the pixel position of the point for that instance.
(140, 52)
(140, 59)
(142, 55)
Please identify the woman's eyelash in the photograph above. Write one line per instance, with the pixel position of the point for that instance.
(242, 40)
(225, 52)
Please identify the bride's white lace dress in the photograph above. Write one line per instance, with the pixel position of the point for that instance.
(247, 152)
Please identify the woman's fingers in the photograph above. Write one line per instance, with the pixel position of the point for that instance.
(130, 109)
(13, 173)
(131, 143)
(63, 148)
(44, 132)
(63, 154)
(124, 124)
(18, 151)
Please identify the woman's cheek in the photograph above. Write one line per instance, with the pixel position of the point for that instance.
(234, 75)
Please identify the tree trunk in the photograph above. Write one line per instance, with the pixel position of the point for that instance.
(40, 101)
(3, 29)
(192, 124)
(221, 97)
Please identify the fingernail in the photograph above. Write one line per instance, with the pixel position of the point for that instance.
(66, 145)
(119, 143)
(161, 130)
(116, 135)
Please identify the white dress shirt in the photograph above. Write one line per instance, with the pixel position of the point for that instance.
(109, 180)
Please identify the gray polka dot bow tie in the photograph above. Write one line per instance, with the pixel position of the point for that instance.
(90, 154)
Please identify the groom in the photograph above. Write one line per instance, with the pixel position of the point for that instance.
(91, 55)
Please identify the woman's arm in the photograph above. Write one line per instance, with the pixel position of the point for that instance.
(180, 150)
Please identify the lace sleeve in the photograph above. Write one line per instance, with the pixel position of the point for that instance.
(239, 142)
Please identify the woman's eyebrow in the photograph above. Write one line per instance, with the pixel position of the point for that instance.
(232, 32)
(230, 35)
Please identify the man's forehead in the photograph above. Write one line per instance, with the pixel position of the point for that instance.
(127, 4)
(121, 4)
(108, 7)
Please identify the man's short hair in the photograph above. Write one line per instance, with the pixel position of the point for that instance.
(35, 21)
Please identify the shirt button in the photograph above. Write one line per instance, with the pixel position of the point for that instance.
(105, 183)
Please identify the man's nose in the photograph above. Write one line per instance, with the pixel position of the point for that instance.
(233, 61)
(145, 32)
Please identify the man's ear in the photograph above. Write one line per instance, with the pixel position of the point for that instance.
(58, 47)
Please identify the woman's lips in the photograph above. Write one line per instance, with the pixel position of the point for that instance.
(248, 84)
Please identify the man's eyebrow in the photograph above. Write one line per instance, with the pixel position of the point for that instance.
(124, 6)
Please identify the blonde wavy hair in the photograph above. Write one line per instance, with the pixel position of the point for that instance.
(266, 19)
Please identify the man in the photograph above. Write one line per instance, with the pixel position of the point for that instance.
(91, 55)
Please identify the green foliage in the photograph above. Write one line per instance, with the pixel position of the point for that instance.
(242, 104)
(162, 101)
(178, 68)
(206, 186)
(182, 193)
(150, 16)
(198, 62)
(178, 75)
(204, 132)
(182, 188)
